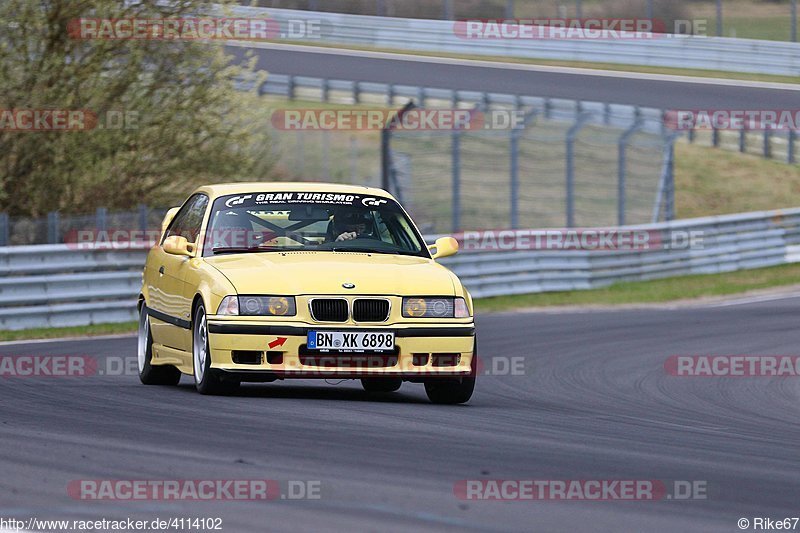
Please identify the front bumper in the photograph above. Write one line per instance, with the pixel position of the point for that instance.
(275, 351)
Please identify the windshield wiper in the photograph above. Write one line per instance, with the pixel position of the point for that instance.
(248, 249)
(366, 250)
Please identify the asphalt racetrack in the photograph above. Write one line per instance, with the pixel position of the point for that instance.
(661, 92)
(592, 402)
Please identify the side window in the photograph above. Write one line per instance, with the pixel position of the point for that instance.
(189, 219)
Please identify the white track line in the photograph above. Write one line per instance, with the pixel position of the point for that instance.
(398, 56)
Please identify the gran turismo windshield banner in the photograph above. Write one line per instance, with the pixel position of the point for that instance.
(327, 198)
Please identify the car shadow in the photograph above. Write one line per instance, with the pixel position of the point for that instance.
(316, 392)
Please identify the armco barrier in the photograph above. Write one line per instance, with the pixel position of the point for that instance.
(58, 285)
(708, 53)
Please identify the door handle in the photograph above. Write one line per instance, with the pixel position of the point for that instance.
(161, 270)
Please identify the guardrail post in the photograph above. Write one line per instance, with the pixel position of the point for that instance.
(670, 210)
(790, 148)
(715, 137)
(572, 134)
(143, 210)
(101, 219)
(719, 18)
(622, 164)
(516, 135)
(301, 151)
(578, 9)
(4, 229)
(510, 9)
(794, 21)
(326, 90)
(290, 87)
(514, 177)
(421, 96)
(448, 9)
(691, 135)
(607, 114)
(356, 92)
(548, 108)
(52, 227)
(666, 183)
(326, 155)
(767, 143)
(390, 90)
(380, 8)
(456, 187)
(742, 140)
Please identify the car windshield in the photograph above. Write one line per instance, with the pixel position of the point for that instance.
(306, 221)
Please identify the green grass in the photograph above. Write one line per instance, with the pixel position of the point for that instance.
(662, 290)
(768, 28)
(76, 331)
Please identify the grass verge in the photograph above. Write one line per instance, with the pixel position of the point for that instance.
(661, 290)
(75, 331)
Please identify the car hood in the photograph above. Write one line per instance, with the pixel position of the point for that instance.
(296, 273)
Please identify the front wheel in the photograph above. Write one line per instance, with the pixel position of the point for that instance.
(381, 384)
(205, 379)
(149, 374)
(445, 391)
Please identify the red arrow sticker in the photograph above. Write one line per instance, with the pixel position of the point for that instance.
(277, 342)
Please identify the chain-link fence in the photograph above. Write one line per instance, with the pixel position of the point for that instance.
(596, 168)
(566, 164)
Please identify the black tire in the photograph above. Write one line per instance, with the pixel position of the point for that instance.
(206, 379)
(381, 384)
(450, 391)
(152, 374)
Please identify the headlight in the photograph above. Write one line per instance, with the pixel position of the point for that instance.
(229, 306)
(435, 308)
(258, 306)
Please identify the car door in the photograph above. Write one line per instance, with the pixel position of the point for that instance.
(170, 300)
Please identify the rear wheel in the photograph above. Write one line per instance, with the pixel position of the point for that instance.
(206, 379)
(381, 384)
(149, 374)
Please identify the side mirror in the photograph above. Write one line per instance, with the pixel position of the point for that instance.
(177, 245)
(168, 218)
(445, 247)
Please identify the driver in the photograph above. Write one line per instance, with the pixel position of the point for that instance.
(349, 224)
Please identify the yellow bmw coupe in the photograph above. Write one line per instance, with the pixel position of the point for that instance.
(254, 282)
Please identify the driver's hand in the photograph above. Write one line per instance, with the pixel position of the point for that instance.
(347, 236)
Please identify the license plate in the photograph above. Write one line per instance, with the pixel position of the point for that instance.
(351, 341)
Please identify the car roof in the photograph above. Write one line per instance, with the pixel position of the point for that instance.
(224, 189)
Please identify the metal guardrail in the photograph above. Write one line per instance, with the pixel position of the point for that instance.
(59, 285)
(708, 53)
